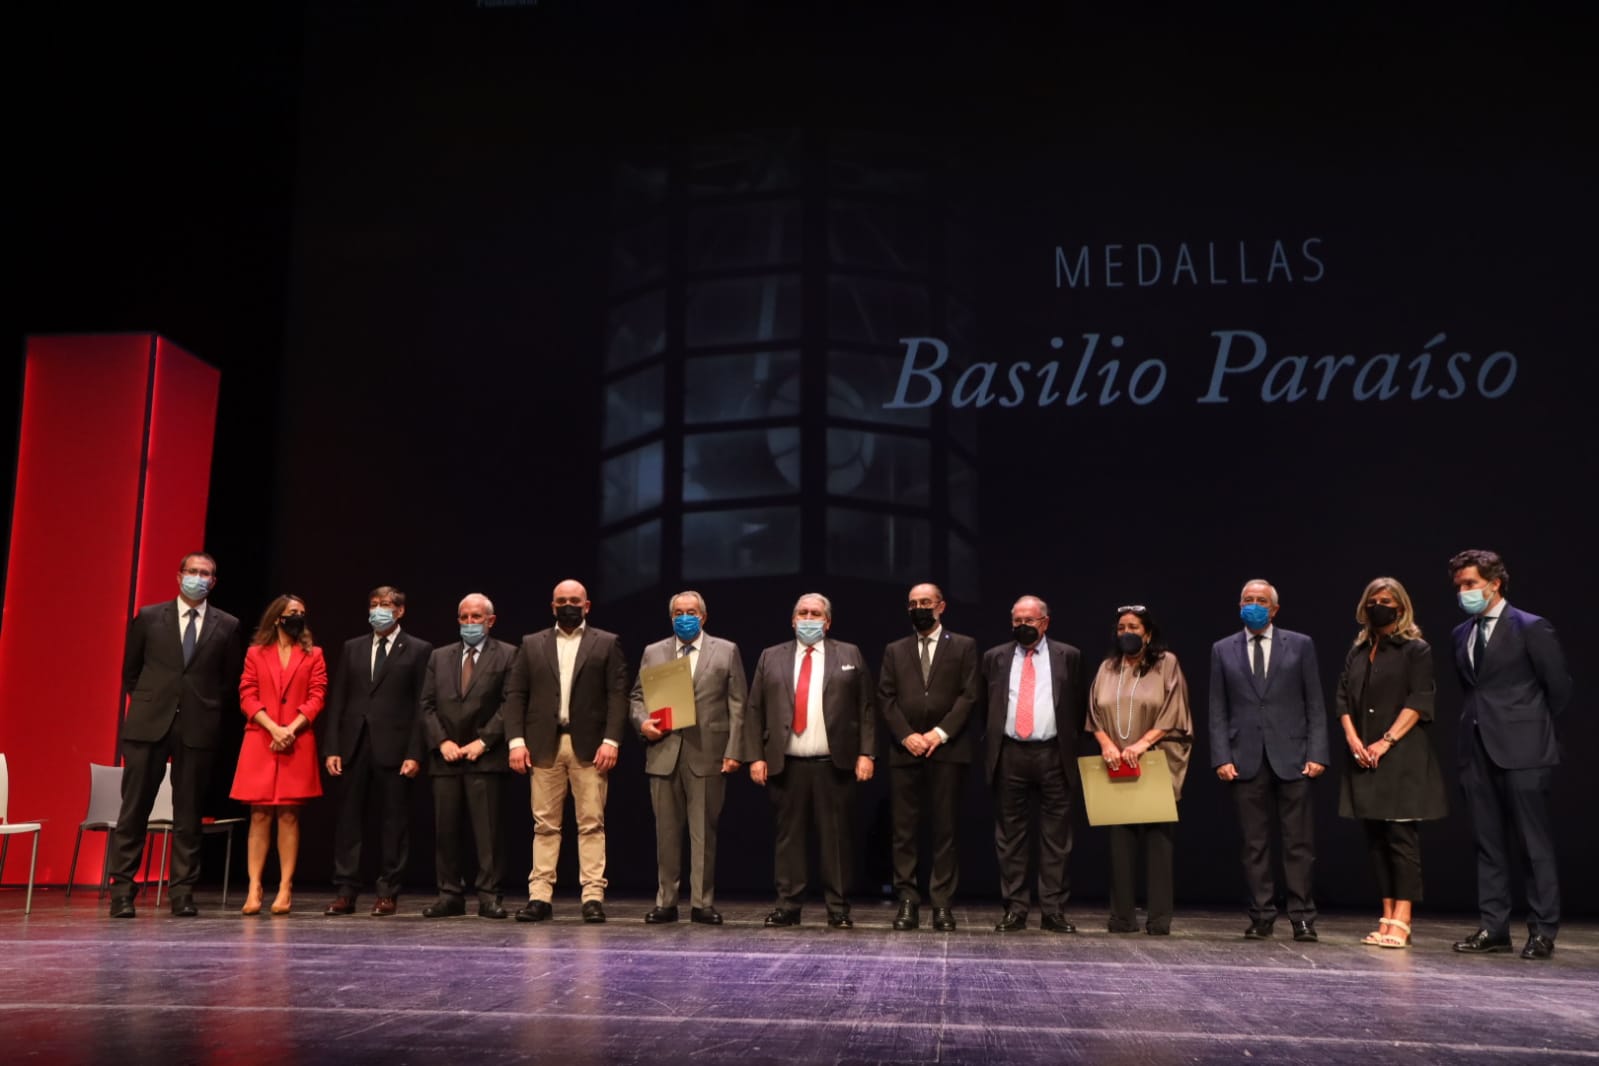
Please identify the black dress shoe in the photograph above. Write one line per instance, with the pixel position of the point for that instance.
(445, 908)
(943, 919)
(660, 915)
(340, 905)
(1258, 930)
(1305, 932)
(1153, 929)
(593, 912)
(122, 906)
(909, 916)
(536, 910)
(1056, 923)
(183, 907)
(1482, 943)
(1014, 921)
(1538, 947)
(839, 920)
(780, 918)
(491, 908)
(705, 915)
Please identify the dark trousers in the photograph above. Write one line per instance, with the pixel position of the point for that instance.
(1394, 849)
(477, 796)
(928, 791)
(1032, 775)
(1296, 818)
(1510, 816)
(365, 781)
(813, 792)
(1156, 840)
(144, 765)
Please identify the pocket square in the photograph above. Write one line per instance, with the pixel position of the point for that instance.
(847, 666)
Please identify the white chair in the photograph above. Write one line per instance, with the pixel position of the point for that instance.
(105, 804)
(9, 829)
(162, 821)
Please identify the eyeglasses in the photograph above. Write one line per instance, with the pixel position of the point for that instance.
(1132, 608)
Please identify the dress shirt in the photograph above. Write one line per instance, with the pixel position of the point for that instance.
(183, 620)
(1043, 693)
(1265, 648)
(377, 638)
(566, 657)
(932, 655)
(1490, 619)
(813, 741)
(693, 652)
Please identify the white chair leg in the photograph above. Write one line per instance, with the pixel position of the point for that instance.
(161, 874)
(33, 864)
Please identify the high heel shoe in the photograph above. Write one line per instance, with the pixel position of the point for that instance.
(285, 900)
(252, 901)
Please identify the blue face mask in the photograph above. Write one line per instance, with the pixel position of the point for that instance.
(194, 586)
(1473, 601)
(809, 630)
(380, 618)
(1255, 615)
(474, 632)
(687, 628)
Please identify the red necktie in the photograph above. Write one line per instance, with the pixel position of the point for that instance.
(802, 693)
(1024, 697)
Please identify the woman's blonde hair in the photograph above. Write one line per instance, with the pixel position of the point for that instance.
(1405, 626)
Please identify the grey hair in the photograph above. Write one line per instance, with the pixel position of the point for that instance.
(488, 603)
(1270, 588)
(671, 604)
(1043, 608)
(827, 604)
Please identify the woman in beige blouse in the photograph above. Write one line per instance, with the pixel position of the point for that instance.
(1139, 701)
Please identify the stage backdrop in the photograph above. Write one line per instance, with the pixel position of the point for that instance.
(1089, 312)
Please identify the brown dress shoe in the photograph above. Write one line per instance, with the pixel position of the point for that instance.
(340, 905)
(384, 907)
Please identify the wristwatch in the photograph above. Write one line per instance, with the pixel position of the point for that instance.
(1391, 739)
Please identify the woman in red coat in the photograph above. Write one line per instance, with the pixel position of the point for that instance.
(281, 693)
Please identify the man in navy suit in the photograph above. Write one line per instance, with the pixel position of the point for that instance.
(1268, 738)
(1515, 681)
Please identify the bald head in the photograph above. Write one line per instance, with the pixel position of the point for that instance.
(570, 604)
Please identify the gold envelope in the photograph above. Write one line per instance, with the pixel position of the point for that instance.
(669, 693)
(1128, 801)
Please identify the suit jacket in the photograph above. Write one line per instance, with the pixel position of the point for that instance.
(1515, 692)
(384, 707)
(160, 687)
(598, 704)
(264, 775)
(945, 700)
(720, 690)
(451, 714)
(848, 709)
(1285, 717)
(1070, 684)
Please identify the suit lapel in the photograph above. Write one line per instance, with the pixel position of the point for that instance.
(551, 655)
(940, 654)
(396, 650)
(1279, 659)
(460, 656)
(1247, 664)
(1057, 672)
(585, 648)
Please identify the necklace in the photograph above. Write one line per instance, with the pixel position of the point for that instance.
(1123, 732)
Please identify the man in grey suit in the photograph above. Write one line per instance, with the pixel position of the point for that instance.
(1268, 739)
(465, 740)
(686, 766)
(811, 733)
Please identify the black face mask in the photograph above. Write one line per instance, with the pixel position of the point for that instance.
(293, 625)
(1025, 634)
(1381, 614)
(1130, 643)
(922, 618)
(569, 615)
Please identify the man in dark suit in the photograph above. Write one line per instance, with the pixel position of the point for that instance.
(465, 734)
(1268, 738)
(565, 709)
(373, 743)
(927, 689)
(1515, 681)
(811, 733)
(1037, 700)
(180, 670)
(687, 767)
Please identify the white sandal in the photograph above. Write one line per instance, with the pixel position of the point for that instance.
(1375, 938)
(1393, 940)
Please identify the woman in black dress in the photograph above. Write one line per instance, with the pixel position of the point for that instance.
(1391, 779)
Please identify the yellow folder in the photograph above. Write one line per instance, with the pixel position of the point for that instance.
(669, 693)
(1128, 801)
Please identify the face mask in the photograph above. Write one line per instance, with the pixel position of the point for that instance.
(922, 619)
(569, 615)
(1130, 643)
(1025, 634)
(687, 628)
(194, 586)
(293, 625)
(1255, 615)
(1473, 601)
(380, 618)
(1381, 614)
(473, 633)
(809, 630)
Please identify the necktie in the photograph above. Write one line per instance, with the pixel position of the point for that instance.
(802, 693)
(377, 660)
(1024, 697)
(190, 636)
(685, 651)
(467, 666)
(927, 659)
(1260, 659)
(1480, 651)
